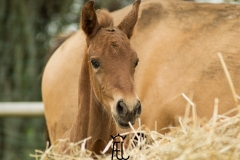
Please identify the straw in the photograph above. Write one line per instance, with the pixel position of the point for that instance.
(228, 78)
(219, 138)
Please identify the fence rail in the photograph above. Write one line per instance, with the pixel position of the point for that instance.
(30, 109)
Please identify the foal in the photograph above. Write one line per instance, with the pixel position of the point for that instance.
(107, 98)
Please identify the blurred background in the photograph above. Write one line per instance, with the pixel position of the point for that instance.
(27, 30)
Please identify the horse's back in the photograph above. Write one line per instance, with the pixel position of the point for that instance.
(177, 44)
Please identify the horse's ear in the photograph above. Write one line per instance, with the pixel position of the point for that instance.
(89, 22)
(130, 20)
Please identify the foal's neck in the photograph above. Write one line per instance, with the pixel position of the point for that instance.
(92, 120)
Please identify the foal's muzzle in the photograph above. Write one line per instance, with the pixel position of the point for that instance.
(127, 113)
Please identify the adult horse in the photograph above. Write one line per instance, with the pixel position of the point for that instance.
(177, 44)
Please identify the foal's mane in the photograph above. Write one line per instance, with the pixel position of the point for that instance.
(59, 40)
(104, 20)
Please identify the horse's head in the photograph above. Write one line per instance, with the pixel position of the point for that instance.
(112, 62)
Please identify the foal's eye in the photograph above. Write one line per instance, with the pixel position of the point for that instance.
(95, 64)
(136, 63)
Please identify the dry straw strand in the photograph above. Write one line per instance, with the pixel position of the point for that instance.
(228, 77)
(194, 110)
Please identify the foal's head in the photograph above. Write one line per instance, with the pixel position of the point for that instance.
(112, 62)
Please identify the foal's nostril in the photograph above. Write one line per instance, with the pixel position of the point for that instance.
(120, 107)
(138, 109)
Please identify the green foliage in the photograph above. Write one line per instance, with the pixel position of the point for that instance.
(24, 44)
(20, 137)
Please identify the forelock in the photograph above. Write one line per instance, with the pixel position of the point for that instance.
(104, 18)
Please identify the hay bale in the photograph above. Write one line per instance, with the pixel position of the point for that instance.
(218, 138)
